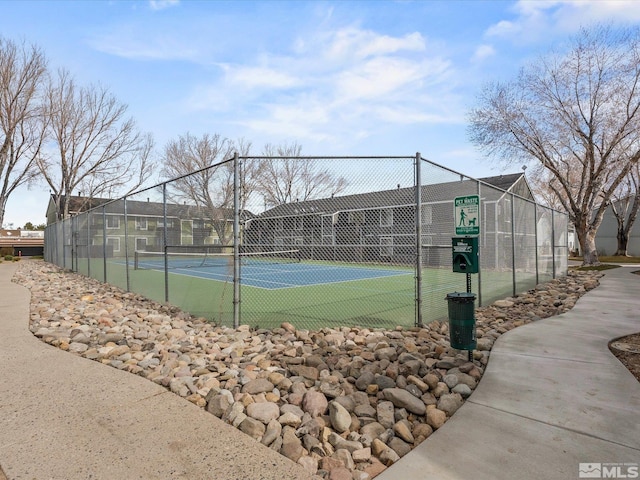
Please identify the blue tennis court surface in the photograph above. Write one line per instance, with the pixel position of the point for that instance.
(291, 275)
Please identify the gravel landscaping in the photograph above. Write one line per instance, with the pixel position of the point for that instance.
(344, 403)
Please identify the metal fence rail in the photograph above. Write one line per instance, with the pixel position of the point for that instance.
(316, 241)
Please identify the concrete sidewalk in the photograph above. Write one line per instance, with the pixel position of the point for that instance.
(552, 397)
(63, 417)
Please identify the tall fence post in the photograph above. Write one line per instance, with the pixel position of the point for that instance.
(164, 242)
(74, 243)
(513, 244)
(88, 242)
(535, 230)
(236, 241)
(480, 242)
(553, 243)
(126, 243)
(104, 242)
(418, 187)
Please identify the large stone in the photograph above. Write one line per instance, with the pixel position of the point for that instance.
(263, 411)
(339, 417)
(403, 430)
(77, 347)
(331, 389)
(304, 371)
(386, 353)
(338, 442)
(361, 455)
(449, 403)
(273, 431)
(290, 419)
(385, 414)
(364, 380)
(422, 431)
(344, 456)
(435, 417)
(218, 404)
(384, 382)
(310, 464)
(373, 429)
(365, 411)
(462, 389)
(451, 380)
(399, 446)
(291, 445)
(259, 385)
(403, 399)
(314, 403)
(254, 428)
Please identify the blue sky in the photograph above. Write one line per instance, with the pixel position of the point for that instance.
(340, 78)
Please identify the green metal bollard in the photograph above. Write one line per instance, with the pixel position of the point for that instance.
(462, 322)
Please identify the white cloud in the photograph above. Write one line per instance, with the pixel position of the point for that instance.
(352, 43)
(537, 20)
(342, 84)
(260, 77)
(483, 52)
(162, 4)
(126, 41)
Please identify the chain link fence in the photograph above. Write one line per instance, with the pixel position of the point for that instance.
(318, 242)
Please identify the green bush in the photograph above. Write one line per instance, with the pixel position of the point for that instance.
(8, 258)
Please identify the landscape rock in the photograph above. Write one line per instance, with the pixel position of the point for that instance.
(339, 401)
(403, 399)
(263, 411)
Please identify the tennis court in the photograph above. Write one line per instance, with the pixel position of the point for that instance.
(358, 248)
(268, 270)
(274, 288)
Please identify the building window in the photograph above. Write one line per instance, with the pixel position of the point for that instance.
(356, 217)
(386, 246)
(160, 223)
(96, 220)
(113, 222)
(141, 223)
(386, 217)
(141, 244)
(427, 215)
(114, 242)
(504, 210)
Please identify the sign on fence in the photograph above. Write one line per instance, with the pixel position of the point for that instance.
(466, 215)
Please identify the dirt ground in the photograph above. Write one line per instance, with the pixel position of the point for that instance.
(627, 350)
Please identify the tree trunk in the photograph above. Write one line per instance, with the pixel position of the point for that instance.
(623, 240)
(3, 203)
(588, 246)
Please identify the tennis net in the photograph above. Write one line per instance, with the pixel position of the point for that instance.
(156, 260)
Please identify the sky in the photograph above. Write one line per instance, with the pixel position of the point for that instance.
(337, 77)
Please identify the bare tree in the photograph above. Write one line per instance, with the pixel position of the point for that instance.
(96, 148)
(541, 182)
(203, 177)
(577, 115)
(625, 203)
(22, 123)
(286, 178)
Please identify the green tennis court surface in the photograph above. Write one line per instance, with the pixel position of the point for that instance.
(385, 300)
